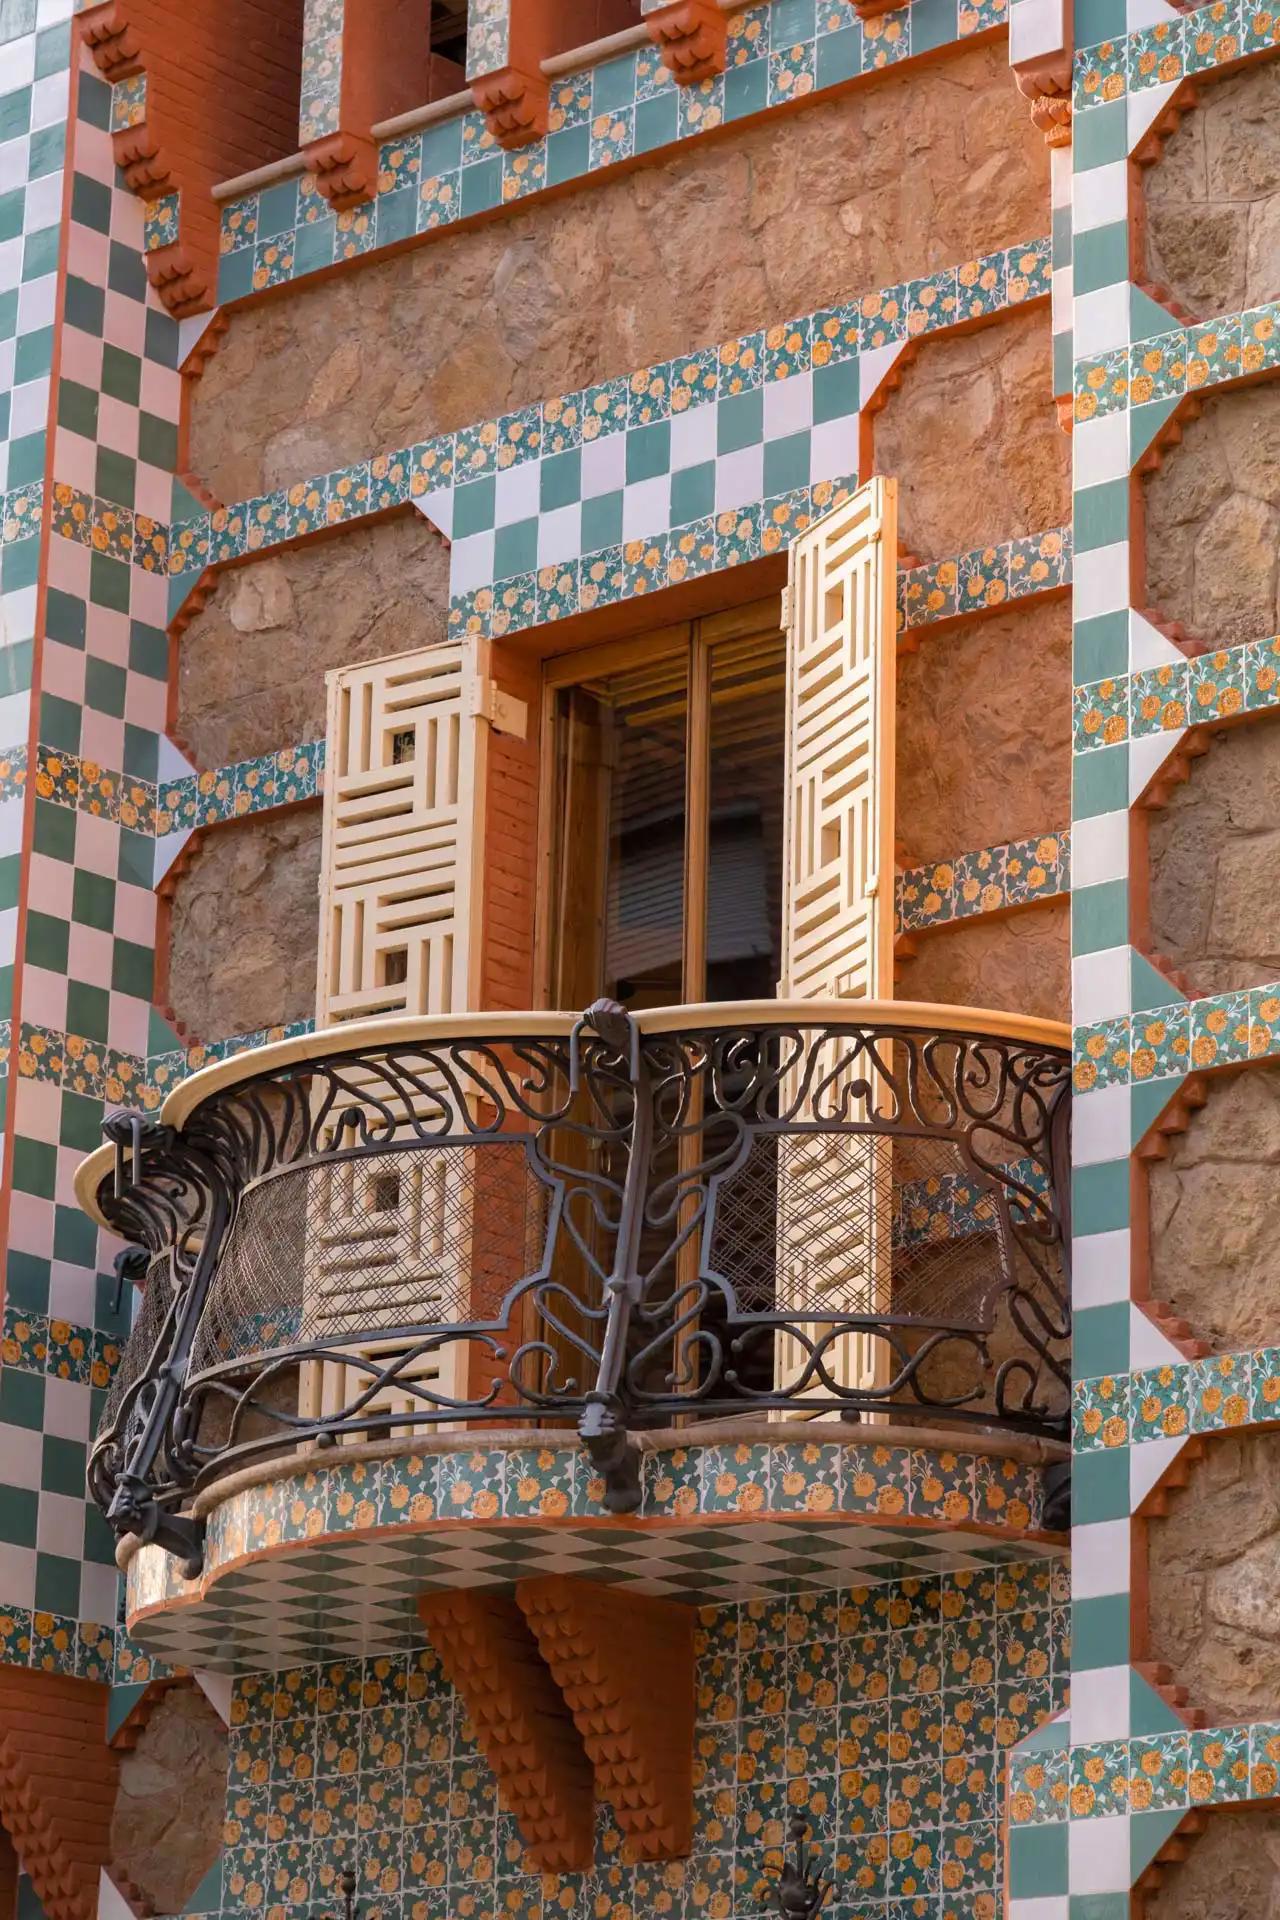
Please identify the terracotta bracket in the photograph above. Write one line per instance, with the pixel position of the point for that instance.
(516, 105)
(692, 36)
(345, 166)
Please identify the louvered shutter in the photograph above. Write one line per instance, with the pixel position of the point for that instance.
(389, 1238)
(835, 1199)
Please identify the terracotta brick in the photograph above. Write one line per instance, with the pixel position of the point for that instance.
(624, 1663)
(57, 1785)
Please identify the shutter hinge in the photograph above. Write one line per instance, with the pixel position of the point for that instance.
(504, 713)
(784, 610)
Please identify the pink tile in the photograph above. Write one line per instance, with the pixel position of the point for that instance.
(69, 1159)
(150, 597)
(97, 845)
(118, 425)
(88, 253)
(153, 493)
(74, 461)
(52, 884)
(43, 1000)
(30, 1220)
(146, 702)
(135, 914)
(107, 635)
(126, 215)
(125, 323)
(69, 567)
(63, 670)
(81, 357)
(130, 1020)
(94, 153)
(90, 955)
(102, 738)
(161, 390)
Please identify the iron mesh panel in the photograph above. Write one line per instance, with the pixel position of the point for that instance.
(351, 1248)
(154, 1304)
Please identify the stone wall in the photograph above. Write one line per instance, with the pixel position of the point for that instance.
(1017, 964)
(252, 662)
(1213, 519)
(974, 440)
(1232, 1870)
(1215, 1214)
(933, 164)
(1213, 203)
(1214, 1567)
(167, 1826)
(1211, 911)
(243, 923)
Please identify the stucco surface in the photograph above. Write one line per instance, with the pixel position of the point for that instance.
(251, 664)
(1214, 1564)
(974, 440)
(167, 1825)
(1015, 964)
(1212, 848)
(1215, 1214)
(1213, 202)
(243, 926)
(991, 761)
(1213, 520)
(926, 168)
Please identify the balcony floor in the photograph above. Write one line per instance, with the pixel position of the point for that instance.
(328, 1561)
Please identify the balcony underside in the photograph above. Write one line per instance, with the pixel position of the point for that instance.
(330, 1560)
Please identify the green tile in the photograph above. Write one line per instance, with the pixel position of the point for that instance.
(8, 317)
(108, 582)
(141, 752)
(87, 1009)
(125, 272)
(33, 358)
(1100, 1197)
(481, 187)
(1100, 1335)
(746, 89)
(157, 441)
(693, 493)
(26, 1282)
(35, 1167)
(933, 24)
(1099, 917)
(835, 391)
(80, 1126)
(11, 208)
(136, 863)
(473, 507)
(15, 113)
(568, 154)
(40, 253)
(19, 1509)
(48, 151)
(1100, 134)
(132, 969)
(53, 55)
(78, 408)
(277, 209)
(160, 341)
(1100, 648)
(441, 148)
(55, 835)
(58, 1584)
(20, 565)
(16, 17)
(104, 686)
(22, 1399)
(1099, 782)
(1037, 1861)
(601, 522)
(515, 549)
(614, 84)
(1100, 1486)
(99, 1540)
(786, 463)
(10, 879)
(65, 617)
(649, 451)
(740, 421)
(60, 722)
(121, 374)
(397, 219)
(657, 121)
(62, 1465)
(235, 270)
(1100, 1630)
(1100, 1906)
(85, 305)
(91, 203)
(148, 650)
(560, 479)
(1100, 515)
(47, 939)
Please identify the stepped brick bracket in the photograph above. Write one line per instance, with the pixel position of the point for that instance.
(1049, 92)
(522, 1724)
(57, 1785)
(624, 1664)
(692, 37)
(507, 41)
(203, 93)
(361, 64)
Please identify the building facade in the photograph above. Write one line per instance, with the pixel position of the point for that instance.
(639, 678)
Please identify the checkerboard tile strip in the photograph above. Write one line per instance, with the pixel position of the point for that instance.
(454, 170)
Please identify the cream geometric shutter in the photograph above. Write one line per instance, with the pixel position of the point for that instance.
(389, 1236)
(837, 924)
(403, 833)
(835, 1198)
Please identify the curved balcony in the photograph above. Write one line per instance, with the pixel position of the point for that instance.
(606, 1221)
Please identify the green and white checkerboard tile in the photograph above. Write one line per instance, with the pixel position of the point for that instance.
(1122, 1009)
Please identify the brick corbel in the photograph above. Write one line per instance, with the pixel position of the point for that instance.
(522, 1724)
(1047, 86)
(692, 37)
(57, 1785)
(384, 67)
(624, 1663)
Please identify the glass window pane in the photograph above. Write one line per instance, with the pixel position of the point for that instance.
(744, 818)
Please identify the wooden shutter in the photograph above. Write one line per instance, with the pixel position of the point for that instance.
(389, 1237)
(837, 926)
(835, 1199)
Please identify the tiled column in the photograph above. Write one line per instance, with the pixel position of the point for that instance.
(360, 64)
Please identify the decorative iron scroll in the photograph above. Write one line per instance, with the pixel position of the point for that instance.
(586, 1224)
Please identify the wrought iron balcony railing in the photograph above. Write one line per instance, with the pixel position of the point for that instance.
(611, 1220)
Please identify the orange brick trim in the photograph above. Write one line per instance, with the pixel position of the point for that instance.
(57, 1785)
(523, 1726)
(692, 37)
(346, 168)
(515, 105)
(624, 1663)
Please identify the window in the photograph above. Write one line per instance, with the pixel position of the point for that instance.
(666, 789)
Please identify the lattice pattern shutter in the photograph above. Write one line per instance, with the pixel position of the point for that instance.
(389, 1239)
(837, 936)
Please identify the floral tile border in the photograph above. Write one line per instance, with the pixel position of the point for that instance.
(1012, 874)
(1162, 1043)
(1156, 56)
(1183, 360)
(988, 577)
(1172, 1772)
(1213, 1395)
(53, 1643)
(1180, 693)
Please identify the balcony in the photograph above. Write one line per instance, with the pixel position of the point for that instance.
(711, 1219)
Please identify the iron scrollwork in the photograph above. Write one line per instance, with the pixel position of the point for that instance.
(600, 1224)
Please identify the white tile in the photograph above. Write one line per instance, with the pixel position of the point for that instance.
(171, 762)
(1100, 196)
(1100, 1699)
(788, 405)
(833, 449)
(1101, 318)
(1098, 1850)
(471, 563)
(1046, 1907)
(1100, 581)
(112, 1904)
(437, 507)
(17, 1575)
(49, 100)
(10, 264)
(51, 13)
(1035, 29)
(60, 1525)
(1099, 1559)
(646, 507)
(44, 203)
(18, 62)
(29, 409)
(1100, 849)
(1100, 451)
(20, 1454)
(516, 493)
(1148, 1346)
(216, 1688)
(560, 535)
(604, 465)
(1142, 109)
(99, 1588)
(1148, 647)
(15, 160)
(18, 610)
(739, 478)
(1149, 1462)
(693, 437)
(73, 1290)
(1147, 756)
(68, 1411)
(1100, 986)
(1100, 1126)
(874, 365)
(37, 303)
(11, 826)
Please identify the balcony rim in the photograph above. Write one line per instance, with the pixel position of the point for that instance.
(384, 1030)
